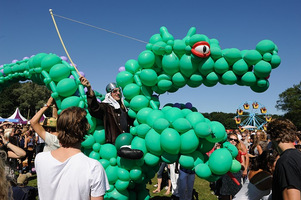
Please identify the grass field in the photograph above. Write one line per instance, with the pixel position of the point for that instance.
(201, 187)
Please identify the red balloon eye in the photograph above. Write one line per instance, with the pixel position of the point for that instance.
(201, 49)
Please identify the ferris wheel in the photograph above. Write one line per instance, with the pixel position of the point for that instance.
(252, 115)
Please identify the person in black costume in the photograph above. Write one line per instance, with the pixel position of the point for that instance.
(114, 115)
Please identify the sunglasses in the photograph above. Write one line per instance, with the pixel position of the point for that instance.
(232, 139)
(115, 91)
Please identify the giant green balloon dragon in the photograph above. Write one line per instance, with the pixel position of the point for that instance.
(167, 134)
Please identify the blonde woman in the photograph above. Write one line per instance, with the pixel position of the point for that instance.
(5, 189)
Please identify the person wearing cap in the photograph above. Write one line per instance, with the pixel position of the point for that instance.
(114, 115)
(22, 190)
(46, 130)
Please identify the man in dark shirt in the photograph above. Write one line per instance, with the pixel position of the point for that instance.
(114, 115)
(287, 174)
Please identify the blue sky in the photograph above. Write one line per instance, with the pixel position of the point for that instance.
(26, 28)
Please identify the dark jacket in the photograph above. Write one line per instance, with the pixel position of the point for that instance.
(110, 117)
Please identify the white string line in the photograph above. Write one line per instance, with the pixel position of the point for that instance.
(101, 29)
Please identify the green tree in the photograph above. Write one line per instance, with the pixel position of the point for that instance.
(290, 102)
(29, 97)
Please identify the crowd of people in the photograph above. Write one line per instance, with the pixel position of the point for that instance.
(270, 161)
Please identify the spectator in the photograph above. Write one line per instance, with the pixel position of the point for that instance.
(287, 174)
(66, 173)
(259, 182)
(5, 188)
(114, 115)
(49, 135)
(163, 165)
(23, 192)
(29, 146)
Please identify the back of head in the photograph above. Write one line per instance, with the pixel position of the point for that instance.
(72, 126)
(282, 130)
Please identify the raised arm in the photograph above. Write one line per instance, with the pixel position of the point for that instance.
(87, 84)
(15, 151)
(34, 122)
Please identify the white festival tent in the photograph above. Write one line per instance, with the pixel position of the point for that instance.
(17, 117)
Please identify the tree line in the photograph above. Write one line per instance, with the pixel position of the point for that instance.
(30, 97)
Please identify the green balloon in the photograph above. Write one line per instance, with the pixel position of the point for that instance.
(59, 72)
(132, 66)
(143, 114)
(203, 171)
(164, 85)
(194, 118)
(123, 139)
(123, 174)
(125, 163)
(211, 79)
(235, 167)
(121, 185)
(139, 102)
(92, 122)
(215, 52)
(218, 132)
(220, 161)
(35, 61)
(172, 114)
(160, 124)
(179, 47)
(186, 111)
(146, 59)
(231, 148)
(155, 38)
(187, 66)
(205, 145)
(262, 82)
(248, 79)
(169, 158)
(221, 66)
(124, 78)
(66, 87)
(152, 143)
(202, 129)
(170, 141)
(232, 55)
(94, 155)
(195, 80)
(96, 147)
(139, 143)
(132, 113)
(49, 61)
(179, 80)
(252, 57)
(265, 46)
(229, 78)
(108, 151)
(275, 61)
(153, 116)
(258, 89)
(267, 57)
(131, 90)
(159, 48)
(112, 174)
(206, 66)
(189, 142)
(262, 69)
(142, 130)
(197, 38)
(182, 125)
(105, 163)
(186, 161)
(198, 157)
(151, 159)
(170, 64)
(240, 67)
(135, 173)
(148, 77)
(70, 101)
(89, 141)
